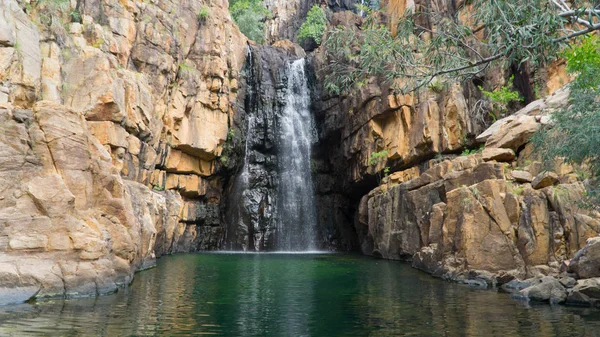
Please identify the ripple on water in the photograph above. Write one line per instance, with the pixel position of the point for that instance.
(298, 294)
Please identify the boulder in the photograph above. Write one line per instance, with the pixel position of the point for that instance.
(517, 285)
(493, 129)
(514, 134)
(586, 292)
(522, 176)
(544, 179)
(548, 289)
(567, 281)
(498, 154)
(586, 263)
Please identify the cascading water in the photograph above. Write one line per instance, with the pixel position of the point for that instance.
(296, 230)
(240, 204)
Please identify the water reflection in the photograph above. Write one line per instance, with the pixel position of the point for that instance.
(293, 295)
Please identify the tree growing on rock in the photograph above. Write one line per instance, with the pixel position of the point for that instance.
(456, 46)
(250, 15)
(426, 47)
(574, 133)
(313, 28)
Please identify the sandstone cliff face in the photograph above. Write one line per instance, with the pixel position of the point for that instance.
(113, 116)
(486, 217)
(411, 128)
(286, 18)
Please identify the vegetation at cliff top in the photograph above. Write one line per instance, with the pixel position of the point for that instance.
(459, 46)
(314, 26)
(249, 15)
(574, 133)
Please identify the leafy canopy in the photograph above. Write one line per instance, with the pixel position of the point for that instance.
(314, 26)
(249, 15)
(458, 46)
(574, 134)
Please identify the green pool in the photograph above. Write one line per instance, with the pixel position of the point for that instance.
(293, 295)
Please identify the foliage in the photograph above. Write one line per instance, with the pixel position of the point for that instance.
(584, 55)
(574, 134)
(468, 152)
(249, 15)
(203, 13)
(377, 157)
(515, 32)
(500, 98)
(314, 26)
(227, 148)
(75, 16)
(158, 188)
(515, 189)
(503, 96)
(98, 43)
(436, 86)
(185, 68)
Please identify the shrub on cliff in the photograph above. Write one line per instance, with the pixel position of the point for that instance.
(314, 26)
(574, 133)
(428, 45)
(249, 15)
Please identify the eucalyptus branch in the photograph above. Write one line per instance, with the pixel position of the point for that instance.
(515, 32)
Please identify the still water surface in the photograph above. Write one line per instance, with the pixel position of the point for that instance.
(293, 295)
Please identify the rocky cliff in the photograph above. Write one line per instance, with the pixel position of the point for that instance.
(131, 130)
(113, 116)
(482, 218)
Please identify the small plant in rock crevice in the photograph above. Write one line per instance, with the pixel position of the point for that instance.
(375, 159)
(501, 98)
(227, 147)
(515, 189)
(203, 14)
(468, 152)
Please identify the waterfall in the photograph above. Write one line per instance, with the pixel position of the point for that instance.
(239, 213)
(297, 217)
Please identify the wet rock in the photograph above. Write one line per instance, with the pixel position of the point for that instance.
(586, 293)
(517, 285)
(548, 289)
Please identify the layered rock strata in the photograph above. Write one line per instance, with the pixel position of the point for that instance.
(114, 115)
(485, 218)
